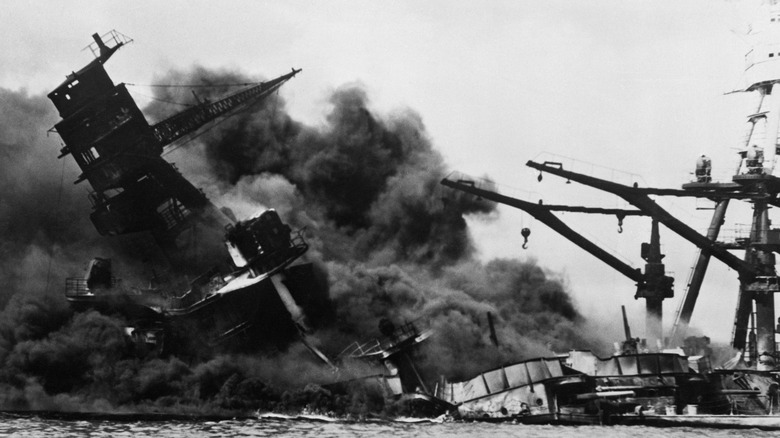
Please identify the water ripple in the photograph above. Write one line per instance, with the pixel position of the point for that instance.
(34, 426)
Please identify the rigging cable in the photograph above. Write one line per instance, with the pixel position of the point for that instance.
(237, 84)
(163, 100)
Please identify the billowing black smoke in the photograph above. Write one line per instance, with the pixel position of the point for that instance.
(41, 215)
(393, 242)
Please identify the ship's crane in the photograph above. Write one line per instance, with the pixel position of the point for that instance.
(758, 280)
(652, 285)
(543, 213)
(755, 277)
(639, 197)
(190, 120)
(753, 182)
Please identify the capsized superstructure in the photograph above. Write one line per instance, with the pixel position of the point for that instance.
(210, 281)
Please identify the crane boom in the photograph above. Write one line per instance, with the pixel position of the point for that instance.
(186, 122)
(542, 213)
(652, 285)
(641, 200)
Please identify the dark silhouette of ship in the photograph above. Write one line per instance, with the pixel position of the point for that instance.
(199, 279)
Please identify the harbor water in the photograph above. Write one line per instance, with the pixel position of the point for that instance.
(34, 426)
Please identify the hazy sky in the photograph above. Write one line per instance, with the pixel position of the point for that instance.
(635, 86)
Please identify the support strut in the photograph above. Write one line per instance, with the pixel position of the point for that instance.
(683, 317)
(642, 201)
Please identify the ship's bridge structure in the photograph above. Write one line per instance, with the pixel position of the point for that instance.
(136, 193)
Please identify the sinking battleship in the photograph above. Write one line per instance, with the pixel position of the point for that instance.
(664, 379)
(205, 280)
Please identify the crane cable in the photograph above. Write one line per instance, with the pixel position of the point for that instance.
(236, 84)
(189, 105)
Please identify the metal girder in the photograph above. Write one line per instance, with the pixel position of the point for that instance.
(186, 122)
(760, 291)
(639, 198)
(593, 210)
(542, 214)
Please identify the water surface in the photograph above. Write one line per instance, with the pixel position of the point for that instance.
(38, 426)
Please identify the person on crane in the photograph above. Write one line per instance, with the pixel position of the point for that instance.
(703, 169)
(754, 160)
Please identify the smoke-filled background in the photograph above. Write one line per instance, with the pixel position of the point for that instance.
(636, 87)
(393, 243)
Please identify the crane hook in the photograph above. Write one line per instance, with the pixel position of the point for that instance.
(620, 218)
(525, 232)
(539, 178)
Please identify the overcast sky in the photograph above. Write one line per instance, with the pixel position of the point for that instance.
(634, 86)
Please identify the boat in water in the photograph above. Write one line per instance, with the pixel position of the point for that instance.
(198, 280)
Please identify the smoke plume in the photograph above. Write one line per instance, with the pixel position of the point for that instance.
(394, 244)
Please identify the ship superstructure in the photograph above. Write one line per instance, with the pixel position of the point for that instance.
(211, 280)
(135, 190)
